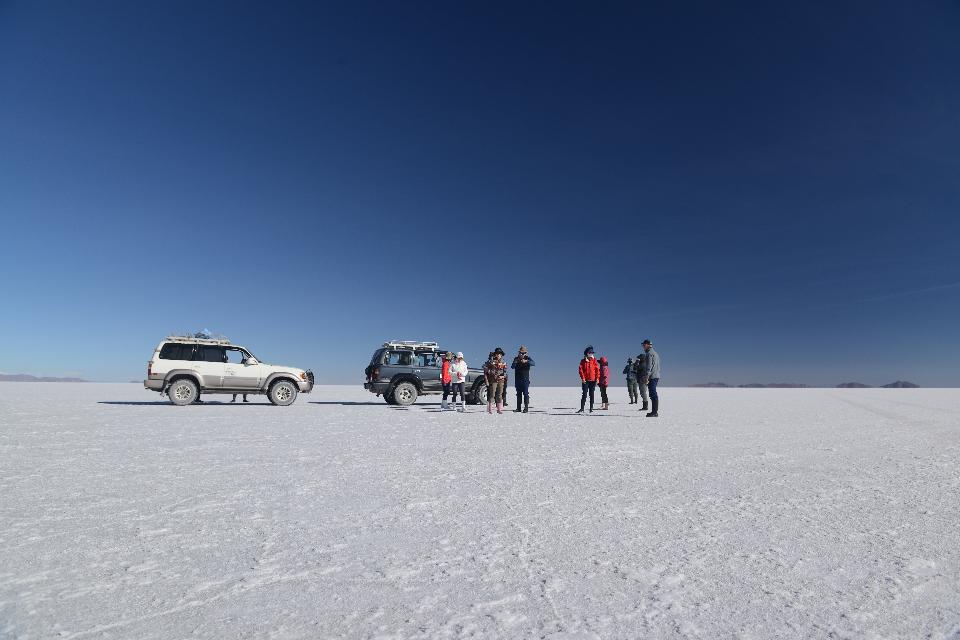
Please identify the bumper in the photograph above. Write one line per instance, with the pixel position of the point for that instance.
(306, 386)
(378, 388)
(153, 385)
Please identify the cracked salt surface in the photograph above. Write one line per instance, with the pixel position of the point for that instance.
(738, 513)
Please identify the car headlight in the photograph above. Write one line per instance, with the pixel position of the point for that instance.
(303, 376)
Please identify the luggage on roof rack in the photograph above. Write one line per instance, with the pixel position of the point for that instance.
(410, 344)
(195, 340)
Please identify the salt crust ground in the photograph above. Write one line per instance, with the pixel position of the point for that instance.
(737, 514)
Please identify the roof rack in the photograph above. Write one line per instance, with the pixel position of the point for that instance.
(192, 340)
(409, 344)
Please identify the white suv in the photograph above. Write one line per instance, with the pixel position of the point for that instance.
(183, 367)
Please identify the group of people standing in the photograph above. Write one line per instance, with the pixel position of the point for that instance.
(453, 374)
(643, 374)
(495, 372)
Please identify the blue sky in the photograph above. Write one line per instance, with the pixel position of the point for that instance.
(770, 193)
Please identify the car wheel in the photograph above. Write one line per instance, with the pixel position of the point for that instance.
(183, 392)
(479, 394)
(282, 393)
(405, 394)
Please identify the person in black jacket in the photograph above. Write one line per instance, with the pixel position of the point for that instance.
(521, 364)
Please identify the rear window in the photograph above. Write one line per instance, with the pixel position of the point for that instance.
(377, 357)
(176, 351)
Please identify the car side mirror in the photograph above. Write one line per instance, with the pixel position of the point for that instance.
(251, 360)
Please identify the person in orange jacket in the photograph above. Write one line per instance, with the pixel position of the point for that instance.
(446, 379)
(589, 375)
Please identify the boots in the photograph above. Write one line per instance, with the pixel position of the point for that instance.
(644, 407)
(500, 407)
(443, 405)
(525, 406)
(519, 400)
(653, 414)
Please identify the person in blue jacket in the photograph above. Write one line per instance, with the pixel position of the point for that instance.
(521, 364)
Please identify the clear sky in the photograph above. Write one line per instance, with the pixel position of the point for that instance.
(768, 191)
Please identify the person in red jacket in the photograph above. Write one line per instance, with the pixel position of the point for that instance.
(445, 379)
(603, 381)
(589, 374)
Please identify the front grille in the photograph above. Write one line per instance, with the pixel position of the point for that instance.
(310, 377)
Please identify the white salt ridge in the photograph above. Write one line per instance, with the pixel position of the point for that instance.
(804, 513)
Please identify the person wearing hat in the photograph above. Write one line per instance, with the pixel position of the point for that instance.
(458, 376)
(652, 377)
(445, 379)
(589, 374)
(521, 364)
(640, 366)
(495, 370)
(631, 372)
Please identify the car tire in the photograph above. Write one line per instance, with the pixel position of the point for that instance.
(183, 392)
(479, 395)
(282, 393)
(405, 394)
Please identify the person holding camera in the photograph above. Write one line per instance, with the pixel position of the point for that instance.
(521, 364)
(458, 376)
(631, 372)
(640, 367)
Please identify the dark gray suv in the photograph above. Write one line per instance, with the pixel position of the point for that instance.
(402, 371)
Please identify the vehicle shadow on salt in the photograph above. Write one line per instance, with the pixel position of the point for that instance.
(348, 404)
(168, 403)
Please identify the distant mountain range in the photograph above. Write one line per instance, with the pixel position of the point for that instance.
(23, 377)
(899, 384)
(752, 385)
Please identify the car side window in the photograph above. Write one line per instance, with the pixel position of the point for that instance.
(235, 356)
(400, 358)
(427, 360)
(176, 351)
(214, 354)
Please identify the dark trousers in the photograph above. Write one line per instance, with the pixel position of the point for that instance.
(523, 391)
(590, 387)
(654, 398)
(446, 390)
(457, 387)
(603, 394)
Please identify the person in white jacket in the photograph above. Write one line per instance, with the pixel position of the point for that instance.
(458, 376)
